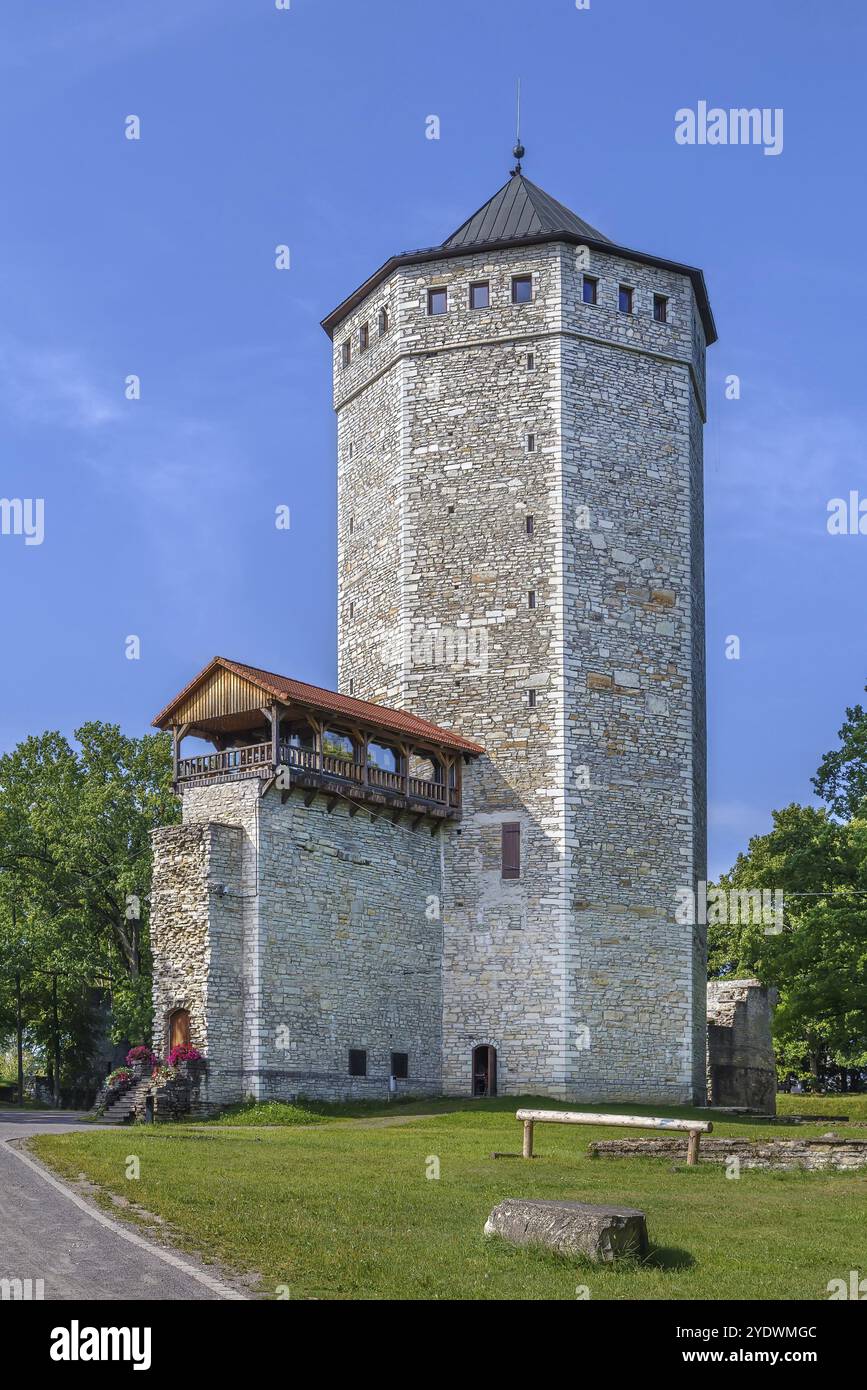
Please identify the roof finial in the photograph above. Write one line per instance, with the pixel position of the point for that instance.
(519, 150)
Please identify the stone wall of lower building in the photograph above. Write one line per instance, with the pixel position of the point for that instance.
(350, 947)
(197, 939)
(294, 935)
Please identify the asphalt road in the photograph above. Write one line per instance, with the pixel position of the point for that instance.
(49, 1233)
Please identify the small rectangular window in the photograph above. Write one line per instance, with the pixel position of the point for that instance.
(351, 525)
(437, 301)
(531, 699)
(400, 1065)
(590, 290)
(531, 444)
(345, 354)
(357, 1061)
(480, 295)
(660, 308)
(624, 299)
(363, 337)
(352, 610)
(522, 289)
(351, 686)
(510, 846)
(351, 449)
(383, 321)
(531, 525)
(531, 598)
(531, 361)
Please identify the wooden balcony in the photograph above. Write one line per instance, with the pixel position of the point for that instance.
(302, 737)
(315, 771)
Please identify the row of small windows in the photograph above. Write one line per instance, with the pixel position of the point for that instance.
(398, 1063)
(383, 324)
(625, 299)
(479, 295)
(522, 293)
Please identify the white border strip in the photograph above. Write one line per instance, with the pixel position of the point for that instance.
(222, 1290)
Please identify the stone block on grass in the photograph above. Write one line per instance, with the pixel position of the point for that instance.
(571, 1228)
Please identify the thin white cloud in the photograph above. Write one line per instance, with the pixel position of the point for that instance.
(771, 473)
(85, 39)
(53, 386)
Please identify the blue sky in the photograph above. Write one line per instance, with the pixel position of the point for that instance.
(262, 126)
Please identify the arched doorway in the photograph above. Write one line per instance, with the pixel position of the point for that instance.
(179, 1028)
(484, 1071)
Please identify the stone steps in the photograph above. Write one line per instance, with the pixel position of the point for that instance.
(120, 1111)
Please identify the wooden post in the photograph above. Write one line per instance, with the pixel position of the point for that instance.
(275, 736)
(528, 1139)
(405, 749)
(692, 1149)
(179, 733)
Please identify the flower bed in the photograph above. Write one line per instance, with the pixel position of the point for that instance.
(119, 1079)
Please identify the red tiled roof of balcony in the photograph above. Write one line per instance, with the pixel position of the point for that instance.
(287, 690)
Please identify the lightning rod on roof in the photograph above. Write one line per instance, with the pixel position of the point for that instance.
(519, 150)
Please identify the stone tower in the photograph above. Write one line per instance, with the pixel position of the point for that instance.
(520, 553)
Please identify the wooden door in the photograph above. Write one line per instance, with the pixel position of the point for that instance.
(179, 1029)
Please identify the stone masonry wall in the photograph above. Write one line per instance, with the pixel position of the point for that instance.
(576, 972)
(197, 943)
(294, 935)
(741, 1068)
(351, 949)
(634, 643)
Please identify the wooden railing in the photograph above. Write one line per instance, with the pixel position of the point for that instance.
(330, 765)
(231, 760)
(381, 777)
(432, 791)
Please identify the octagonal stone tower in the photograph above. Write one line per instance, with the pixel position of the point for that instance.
(520, 554)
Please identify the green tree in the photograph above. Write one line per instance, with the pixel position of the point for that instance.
(75, 865)
(817, 856)
(841, 780)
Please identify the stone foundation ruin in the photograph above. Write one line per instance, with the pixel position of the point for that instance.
(741, 1070)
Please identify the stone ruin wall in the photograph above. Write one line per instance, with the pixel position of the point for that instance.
(741, 1069)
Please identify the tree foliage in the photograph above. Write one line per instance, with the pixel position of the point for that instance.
(75, 874)
(817, 856)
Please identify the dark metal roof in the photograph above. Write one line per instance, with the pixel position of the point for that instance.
(519, 209)
(521, 214)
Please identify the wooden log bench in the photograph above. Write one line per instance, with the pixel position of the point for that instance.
(694, 1128)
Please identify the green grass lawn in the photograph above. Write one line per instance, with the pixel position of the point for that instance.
(342, 1207)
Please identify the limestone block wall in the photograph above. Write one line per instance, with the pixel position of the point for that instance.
(350, 949)
(197, 944)
(294, 935)
(634, 672)
(477, 453)
(588, 422)
(741, 1069)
